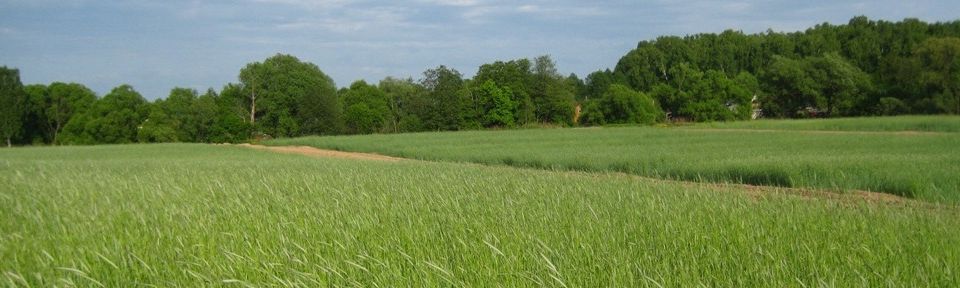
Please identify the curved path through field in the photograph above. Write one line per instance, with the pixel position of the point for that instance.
(752, 190)
(315, 152)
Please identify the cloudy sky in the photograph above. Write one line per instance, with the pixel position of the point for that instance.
(158, 45)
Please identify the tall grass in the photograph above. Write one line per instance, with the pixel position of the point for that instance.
(923, 166)
(196, 215)
(918, 123)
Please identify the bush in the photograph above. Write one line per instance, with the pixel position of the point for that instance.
(891, 106)
(621, 105)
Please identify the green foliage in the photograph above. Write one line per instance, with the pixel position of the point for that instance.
(790, 87)
(834, 70)
(864, 67)
(889, 106)
(35, 127)
(551, 96)
(841, 86)
(65, 100)
(596, 84)
(715, 97)
(13, 104)
(278, 86)
(406, 100)
(939, 59)
(444, 102)
(158, 127)
(114, 119)
(498, 105)
(592, 113)
(517, 76)
(621, 105)
(367, 108)
(231, 123)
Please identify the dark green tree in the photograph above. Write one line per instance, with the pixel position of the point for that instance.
(407, 102)
(621, 105)
(278, 87)
(36, 130)
(13, 104)
(498, 106)
(842, 86)
(116, 118)
(366, 108)
(789, 87)
(231, 123)
(65, 100)
(552, 98)
(517, 76)
(444, 101)
(939, 61)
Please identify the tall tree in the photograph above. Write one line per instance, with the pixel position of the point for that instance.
(12, 104)
(620, 104)
(498, 106)
(552, 97)
(515, 75)
(35, 123)
(116, 118)
(278, 88)
(842, 86)
(939, 59)
(444, 102)
(407, 102)
(366, 108)
(789, 87)
(65, 100)
(231, 123)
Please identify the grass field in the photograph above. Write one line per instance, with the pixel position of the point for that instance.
(919, 123)
(918, 165)
(203, 215)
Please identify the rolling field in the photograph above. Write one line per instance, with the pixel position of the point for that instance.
(916, 123)
(916, 165)
(203, 215)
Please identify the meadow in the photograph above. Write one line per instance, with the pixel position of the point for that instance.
(205, 215)
(912, 123)
(916, 165)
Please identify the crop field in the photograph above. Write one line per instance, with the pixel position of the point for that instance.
(916, 165)
(914, 123)
(214, 215)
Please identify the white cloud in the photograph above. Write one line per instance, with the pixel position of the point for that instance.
(529, 8)
(458, 3)
(308, 4)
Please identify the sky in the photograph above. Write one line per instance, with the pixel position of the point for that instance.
(158, 45)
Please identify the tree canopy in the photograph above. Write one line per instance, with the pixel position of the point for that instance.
(863, 67)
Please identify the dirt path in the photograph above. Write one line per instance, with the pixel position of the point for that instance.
(757, 192)
(315, 152)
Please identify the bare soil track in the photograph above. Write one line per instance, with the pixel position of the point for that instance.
(314, 152)
(757, 192)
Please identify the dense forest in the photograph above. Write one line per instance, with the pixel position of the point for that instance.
(865, 67)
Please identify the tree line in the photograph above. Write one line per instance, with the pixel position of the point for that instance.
(864, 67)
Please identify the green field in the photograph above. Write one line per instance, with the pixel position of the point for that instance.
(203, 215)
(917, 165)
(917, 123)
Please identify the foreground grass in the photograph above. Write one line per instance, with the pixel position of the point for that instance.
(923, 166)
(919, 123)
(195, 215)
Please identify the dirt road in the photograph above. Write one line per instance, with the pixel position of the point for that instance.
(315, 152)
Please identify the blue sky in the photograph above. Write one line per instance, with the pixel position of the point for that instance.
(158, 45)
